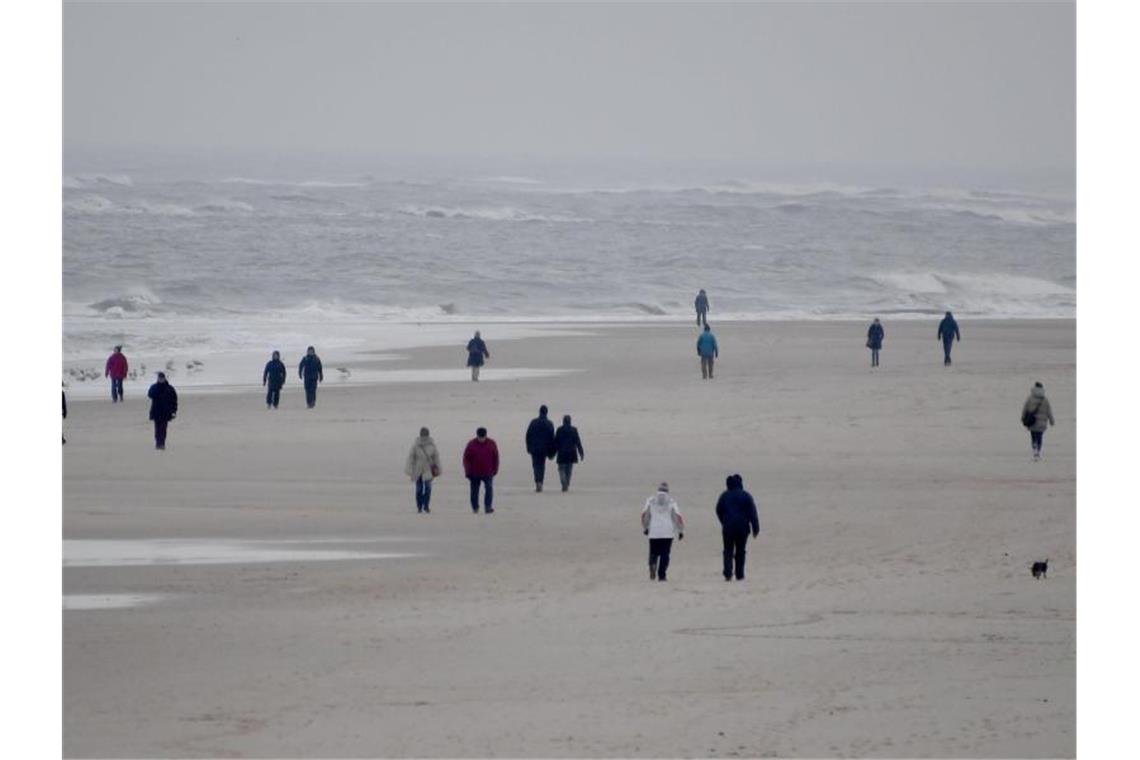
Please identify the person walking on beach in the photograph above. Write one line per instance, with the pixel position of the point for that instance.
(481, 465)
(540, 445)
(660, 518)
(948, 333)
(163, 408)
(737, 514)
(568, 444)
(311, 371)
(274, 378)
(116, 369)
(875, 341)
(702, 307)
(64, 437)
(1037, 416)
(477, 353)
(708, 351)
(423, 467)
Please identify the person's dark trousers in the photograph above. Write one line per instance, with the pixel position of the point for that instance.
(273, 397)
(423, 495)
(565, 469)
(946, 346)
(659, 556)
(160, 433)
(1036, 439)
(538, 461)
(701, 318)
(734, 553)
(116, 389)
(488, 492)
(311, 393)
(874, 357)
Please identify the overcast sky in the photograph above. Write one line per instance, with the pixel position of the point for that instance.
(965, 84)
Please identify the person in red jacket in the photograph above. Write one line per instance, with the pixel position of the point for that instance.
(116, 369)
(481, 465)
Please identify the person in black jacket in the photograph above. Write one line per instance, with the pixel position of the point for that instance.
(163, 408)
(875, 340)
(274, 378)
(311, 372)
(540, 445)
(948, 333)
(737, 514)
(477, 353)
(568, 444)
(64, 437)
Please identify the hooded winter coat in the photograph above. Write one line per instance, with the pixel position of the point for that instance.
(701, 303)
(1039, 406)
(736, 510)
(540, 437)
(163, 402)
(481, 458)
(310, 369)
(875, 335)
(661, 516)
(948, 330)
(706, 345)
(569, 444)
(421, 457)
(274, 374)
(476, 350)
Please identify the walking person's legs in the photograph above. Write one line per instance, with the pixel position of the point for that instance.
(653, 554)
(874, 357)
(741, 539)
(311, 393)
(712, 360)
(946, 346)
(427, 495)
(488, 494)
(704, 368)
(475, 372)
(474, 482)
(538, 463)
(663, 557)
(729, 546)
(116, 389)
(160, 434)
(564, 470)
(1035, 440)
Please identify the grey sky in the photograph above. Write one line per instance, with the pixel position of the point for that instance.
(898, 84)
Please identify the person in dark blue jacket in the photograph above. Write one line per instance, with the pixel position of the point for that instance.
(311, 371)
(477, 353)
(875, 341)
(948, 333)
(274, 378)
(540, 445)
(163, 408)
(701, 304)
(737, 514)
(568, 444)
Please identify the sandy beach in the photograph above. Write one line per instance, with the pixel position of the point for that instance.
(265, 587)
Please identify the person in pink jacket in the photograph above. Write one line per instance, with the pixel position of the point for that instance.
(116, 369)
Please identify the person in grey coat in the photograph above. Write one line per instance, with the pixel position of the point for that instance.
(1037, 416)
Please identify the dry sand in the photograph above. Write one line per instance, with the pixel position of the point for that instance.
(888, 609)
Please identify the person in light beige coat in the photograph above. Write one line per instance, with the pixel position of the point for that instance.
(1037, 415)
(422, 466)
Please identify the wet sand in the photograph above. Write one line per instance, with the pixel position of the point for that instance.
(888, 611)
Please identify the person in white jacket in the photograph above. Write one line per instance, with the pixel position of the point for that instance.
(660, 518)
(422, 466)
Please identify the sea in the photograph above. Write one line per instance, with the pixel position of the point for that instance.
(196, 260)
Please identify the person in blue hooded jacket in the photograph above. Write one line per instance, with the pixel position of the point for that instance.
(477, 353)
(701, 304)
(947, 333)
(274, 378)
(311, 371)
(540, 445)
(736, 511)
(875, 341)
(708, 351)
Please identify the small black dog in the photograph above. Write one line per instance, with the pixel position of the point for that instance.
(1040, 568)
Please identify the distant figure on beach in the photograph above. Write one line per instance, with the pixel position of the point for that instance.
(64, 437)
(274, 378)
(1037, 416)
(702, 307)
(948, 333)
(660, 518)
(875, 341)
(568, 444)
(163, 408)
(423, 467)
(737, 514)
(116, 369)
(477, 353)
(540, 445)
(481, 465)
(708, 351)
(311, 372)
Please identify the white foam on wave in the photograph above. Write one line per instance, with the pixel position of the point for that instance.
(489, 213)
(80, 181)
(74, 602)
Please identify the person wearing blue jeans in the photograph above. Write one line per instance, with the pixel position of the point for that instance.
(422, 466)
(481, 465)
(488, 492)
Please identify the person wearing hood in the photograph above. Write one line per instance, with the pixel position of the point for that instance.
(1037, 416)
(481, 465)
(702, 307)
(660, 518)
(947, 333)
(708, 351)
(116, 369)
(477, 353)
(875, 341)
(163, 408)
(568, 444)
(311, 371)
(736, 511)
(422, 466)
(540, 445)
(274, 378)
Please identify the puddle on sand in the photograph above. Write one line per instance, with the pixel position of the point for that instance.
(107, 601)
(113, 553)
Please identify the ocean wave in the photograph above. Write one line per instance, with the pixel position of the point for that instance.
(224, 206)
(82, 181)
(488, 213)
(88, 204)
